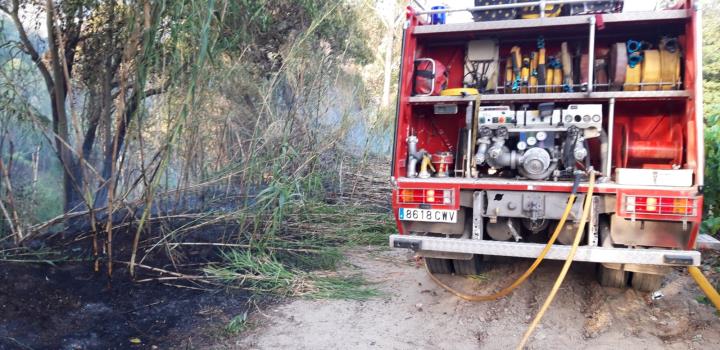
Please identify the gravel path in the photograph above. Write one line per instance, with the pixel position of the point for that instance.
(414, 313)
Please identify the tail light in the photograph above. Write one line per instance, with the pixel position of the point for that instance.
(426, 196)
(670, 206)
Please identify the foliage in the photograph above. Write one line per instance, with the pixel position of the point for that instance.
(182, 115)
(711, 74)
(233, 75)
(237, 324)
(712, 175)
(264, 274)
(711, 57)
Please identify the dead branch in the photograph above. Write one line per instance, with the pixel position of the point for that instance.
(237, 245)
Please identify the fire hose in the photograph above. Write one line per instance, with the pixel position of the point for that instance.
(696, 274)
(705, 286)
(529, 271)
(566, 266)
(538, 260)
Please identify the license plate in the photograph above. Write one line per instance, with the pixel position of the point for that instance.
(428, 215)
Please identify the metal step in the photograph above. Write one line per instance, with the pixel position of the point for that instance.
(707, 242)
(666, 257)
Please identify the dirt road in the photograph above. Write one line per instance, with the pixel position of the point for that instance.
(414, 313)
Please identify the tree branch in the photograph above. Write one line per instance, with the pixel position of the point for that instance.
(132, 106)
(27, 44)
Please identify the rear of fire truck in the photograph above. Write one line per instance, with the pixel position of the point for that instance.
(502, 119)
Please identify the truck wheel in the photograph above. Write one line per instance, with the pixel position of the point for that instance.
(612, 278)
(468, 267)
(436, 265)
(646, 282)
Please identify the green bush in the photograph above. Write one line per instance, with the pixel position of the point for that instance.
(712, 175)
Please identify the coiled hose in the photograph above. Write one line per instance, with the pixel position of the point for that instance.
(505, 291)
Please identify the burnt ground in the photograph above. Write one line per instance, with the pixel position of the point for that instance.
(68, 306)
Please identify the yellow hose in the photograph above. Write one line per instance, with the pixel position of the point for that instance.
(696, 274)
(521, 279)
(566, 267)
(705, 285)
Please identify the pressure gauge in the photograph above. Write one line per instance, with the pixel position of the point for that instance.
(541, 136)
(531, 141)
(521, 145)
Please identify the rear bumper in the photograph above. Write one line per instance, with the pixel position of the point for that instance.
(666, 257)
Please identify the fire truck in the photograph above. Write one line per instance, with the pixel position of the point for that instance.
(505, 123)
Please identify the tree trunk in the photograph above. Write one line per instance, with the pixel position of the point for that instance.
(72, 173)
(389, 43)
(112, 153)
(388, 13)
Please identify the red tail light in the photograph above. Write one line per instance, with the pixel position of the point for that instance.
(426, 196)
(672, 206)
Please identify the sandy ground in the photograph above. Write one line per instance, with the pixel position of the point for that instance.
(414, 313)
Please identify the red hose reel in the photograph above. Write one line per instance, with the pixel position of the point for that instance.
(660, 149)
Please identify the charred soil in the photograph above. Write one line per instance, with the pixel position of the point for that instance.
(68, 306)
(64, 304)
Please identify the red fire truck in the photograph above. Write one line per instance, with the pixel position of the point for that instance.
(502, 119)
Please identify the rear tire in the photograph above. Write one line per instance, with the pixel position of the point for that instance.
(468, 267)
(611, 277)
(442, 266)
(647, 282)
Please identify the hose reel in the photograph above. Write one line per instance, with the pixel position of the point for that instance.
(635, 151)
